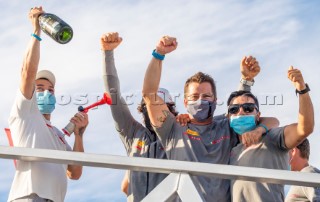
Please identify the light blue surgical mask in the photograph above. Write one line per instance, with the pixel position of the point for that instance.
(201, 110)
(242, 124)
(46, 102)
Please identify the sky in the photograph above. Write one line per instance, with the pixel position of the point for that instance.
(212, 37)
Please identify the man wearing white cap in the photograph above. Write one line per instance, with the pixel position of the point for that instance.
(139, 140)
(31, 127)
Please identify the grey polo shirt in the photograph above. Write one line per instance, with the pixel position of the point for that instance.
(271, 153)
(210, 143)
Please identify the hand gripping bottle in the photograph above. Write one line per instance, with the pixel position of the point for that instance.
(56, 28)
(69, 128)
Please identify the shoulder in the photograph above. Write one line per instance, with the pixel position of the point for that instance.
(276, 131)
(275, 137)
(310, 169)
(220, 117)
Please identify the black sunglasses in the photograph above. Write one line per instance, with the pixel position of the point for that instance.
(247, 108)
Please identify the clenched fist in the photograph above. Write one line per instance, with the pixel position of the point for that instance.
(249, 68)
(166, 45)
(110, 41)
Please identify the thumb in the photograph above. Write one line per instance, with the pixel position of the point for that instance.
(243, 60)
(120, 39)
(291, 67)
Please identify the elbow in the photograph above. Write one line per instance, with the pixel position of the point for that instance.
(75, 177)
(124, 189)
(309, 128)
(75, 174)
(306, 131)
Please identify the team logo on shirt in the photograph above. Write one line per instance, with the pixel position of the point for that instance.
(192, 134)
(225, 137)
(140, 144)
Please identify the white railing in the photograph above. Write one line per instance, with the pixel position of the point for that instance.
(178, 182)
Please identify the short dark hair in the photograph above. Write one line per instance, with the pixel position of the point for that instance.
(304, 148)
(201, 77)
(243, 93)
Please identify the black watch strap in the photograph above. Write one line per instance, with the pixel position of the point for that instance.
(307, 89)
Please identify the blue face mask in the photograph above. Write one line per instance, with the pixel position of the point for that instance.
(242, 124)
(46, 102)
(201, 110)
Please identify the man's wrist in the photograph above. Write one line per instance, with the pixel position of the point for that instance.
(157, 55)
(247, 82)
(36, 37)
(305, 90)
(263, 127)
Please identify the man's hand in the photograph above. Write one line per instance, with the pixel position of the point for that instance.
(110, 41)
(166, 45)
(34, 14)
(252, 137)
(249, 68)
(296, 77)
(183, 119)
(80, 120)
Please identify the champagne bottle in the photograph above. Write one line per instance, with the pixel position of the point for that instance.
(56, 28)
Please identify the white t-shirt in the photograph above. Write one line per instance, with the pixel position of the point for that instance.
(302, 193)
(30, 129)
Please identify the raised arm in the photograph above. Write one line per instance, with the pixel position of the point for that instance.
(119, 109)
(32, 56)
(123, 119)
(249, 69)
(295, 133)
(157, 109)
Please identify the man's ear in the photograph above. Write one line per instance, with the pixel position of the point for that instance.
(295, 151)
(258, 116)
(228, 115)
(185, 102)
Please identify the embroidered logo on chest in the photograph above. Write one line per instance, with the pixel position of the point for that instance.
(194, 135)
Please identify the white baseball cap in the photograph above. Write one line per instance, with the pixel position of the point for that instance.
(46, 74)
(165, 95)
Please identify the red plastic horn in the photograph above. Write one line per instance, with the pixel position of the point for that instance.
(106, 99)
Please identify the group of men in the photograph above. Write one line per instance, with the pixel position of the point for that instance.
(240, 137)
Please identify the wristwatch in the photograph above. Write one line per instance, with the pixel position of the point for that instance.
(307, 89)
(246, 82)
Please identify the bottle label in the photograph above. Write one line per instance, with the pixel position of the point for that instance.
(49, 25)
(56, 28)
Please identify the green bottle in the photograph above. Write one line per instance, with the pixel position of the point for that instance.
(56, 28)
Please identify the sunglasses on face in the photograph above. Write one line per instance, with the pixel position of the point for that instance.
(247, 108)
